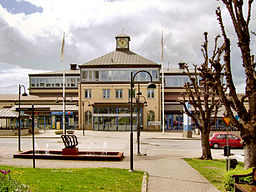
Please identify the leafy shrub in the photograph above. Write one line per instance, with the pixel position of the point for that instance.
(9, 184)
(228, 180)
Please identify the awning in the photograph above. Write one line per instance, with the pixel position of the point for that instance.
(8, 113)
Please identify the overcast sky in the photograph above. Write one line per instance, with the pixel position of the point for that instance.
(31, 32)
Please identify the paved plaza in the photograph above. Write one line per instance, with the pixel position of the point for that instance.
(164, 160)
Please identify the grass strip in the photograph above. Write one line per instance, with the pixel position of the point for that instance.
(82, 179)
(212, 170)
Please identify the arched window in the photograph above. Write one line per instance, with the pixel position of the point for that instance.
(88, 118)
(150, 116)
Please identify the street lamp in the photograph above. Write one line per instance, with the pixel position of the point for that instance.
(89, 104)
(139, 95)
(19, 130)
(150, 85)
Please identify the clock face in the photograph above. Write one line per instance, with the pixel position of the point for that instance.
(122, 43)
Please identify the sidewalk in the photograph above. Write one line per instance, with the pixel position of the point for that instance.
(166, 168)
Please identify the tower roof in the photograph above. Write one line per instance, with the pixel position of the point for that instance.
(124, 57)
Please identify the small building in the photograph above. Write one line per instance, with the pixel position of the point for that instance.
(174, 80)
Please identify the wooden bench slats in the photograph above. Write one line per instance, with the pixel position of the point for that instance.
(245, 187)
(249, 187)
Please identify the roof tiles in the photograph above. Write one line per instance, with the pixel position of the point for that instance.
(124, 57)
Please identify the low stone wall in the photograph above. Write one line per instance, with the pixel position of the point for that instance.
(13, 132)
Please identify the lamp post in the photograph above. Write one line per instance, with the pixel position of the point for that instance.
(151, 85)
(19, 130)
(139, 95)
(89, 104)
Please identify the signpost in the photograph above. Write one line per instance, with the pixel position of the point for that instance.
(227, 121)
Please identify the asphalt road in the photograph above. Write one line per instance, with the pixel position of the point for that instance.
(113, 144)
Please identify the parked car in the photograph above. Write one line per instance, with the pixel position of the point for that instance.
(218, 140)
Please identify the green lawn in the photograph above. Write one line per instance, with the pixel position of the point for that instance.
(212, 170)
(86, 179)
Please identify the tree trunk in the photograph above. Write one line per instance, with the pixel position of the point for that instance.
(206, 151)
(250, 154)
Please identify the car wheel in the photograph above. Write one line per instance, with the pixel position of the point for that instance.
(215, 145)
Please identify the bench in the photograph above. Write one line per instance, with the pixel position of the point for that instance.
(245, 187)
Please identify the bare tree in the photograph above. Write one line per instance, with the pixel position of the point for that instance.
(201, 95)
(227, 92)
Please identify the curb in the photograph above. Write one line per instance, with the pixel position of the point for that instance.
(144, 187)
(36, 137)
(173, 138)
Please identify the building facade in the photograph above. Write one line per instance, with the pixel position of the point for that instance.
(105, 91)
(98, 94)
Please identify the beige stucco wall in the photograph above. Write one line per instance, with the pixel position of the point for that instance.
(153, 104)
(6, 104)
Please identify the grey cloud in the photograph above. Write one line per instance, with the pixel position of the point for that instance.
(44, 53)
(183, 35)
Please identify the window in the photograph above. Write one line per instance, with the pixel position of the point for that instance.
(57, 82)
(87, 93)
(176, 81)
(133, 93)
(88, 118)
(104, 75)
(154, 74)
(150, 116)
(115, 75)
(221, 136)
(96, 75)
(33, 82)
(48, 82)
(106, 93)
(233, 137)
(143, 76)
(42, 82)
(73, 82)
(119, 93)
(84, 75)
(151, 93)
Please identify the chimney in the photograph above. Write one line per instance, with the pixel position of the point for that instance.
(181, 65)
(73, 66)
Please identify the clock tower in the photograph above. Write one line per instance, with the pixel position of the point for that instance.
(122, 42)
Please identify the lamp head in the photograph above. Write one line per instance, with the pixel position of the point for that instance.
(24, 94)
(151, 85)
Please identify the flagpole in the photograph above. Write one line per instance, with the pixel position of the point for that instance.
(162, 58)
(63, 96)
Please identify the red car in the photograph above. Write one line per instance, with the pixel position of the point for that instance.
(218, 140)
